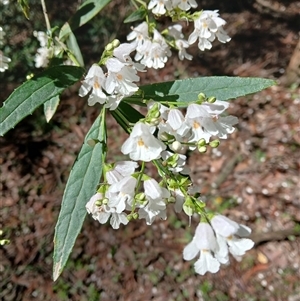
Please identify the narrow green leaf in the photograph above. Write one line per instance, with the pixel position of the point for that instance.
(221, 87)
(86, 11)
(50, 107)
(82, 184)
(136, 15)
(130, 113)
(35, 92)
(73, 46)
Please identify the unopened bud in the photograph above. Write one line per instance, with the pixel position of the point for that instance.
(201, 97)
(135, 215)
(171, 199)
(176, 146)
(214, 143)
(105, 201)
(140, 197)
(109, 47)
(202, 149)
(211, 99)
(164, 136)
(115, 43)
(98, 203)
(201, 142)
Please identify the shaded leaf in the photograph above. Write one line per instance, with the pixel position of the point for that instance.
(136, 15)
(86, 11)
(35, 92)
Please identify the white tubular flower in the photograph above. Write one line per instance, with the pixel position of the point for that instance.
(139, 34)
(142, 145)
(155, 53)
(227, 230)
(3, 62)
(181, 44)
(156, 205)
(121, 170)
(94, 80)
(206, 116)
(5, 2)
(159, 7)
(185, 4)
(204, 241)
(103, 213)
(207, 27)
(121, 193)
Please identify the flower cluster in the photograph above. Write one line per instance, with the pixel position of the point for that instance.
(214, 240)
(153, 48)
(119, 193)
(163, 135)
(118, 82)
(194, 130)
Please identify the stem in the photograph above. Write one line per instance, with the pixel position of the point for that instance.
(46, 16)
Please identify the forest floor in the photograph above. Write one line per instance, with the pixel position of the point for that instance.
(253, 178)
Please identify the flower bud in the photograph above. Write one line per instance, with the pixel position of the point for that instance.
(109, 47)
(115, 43)
(214, 143)
(176, 146)
(211, 99)
(201, 97)
(201, 142)
(202, 149)
(98, 203)
(135, 215)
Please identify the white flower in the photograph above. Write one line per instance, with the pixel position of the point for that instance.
(3, 62)
(139, 34)
(120, 170)
(226, 230)
(155, 53)
(121, 193)
(142, 145)
(180, 43)
(159, 7)
(156, 204)
(103, 213)
(207, 27)
(5, 2)
(205, 120)
(94, 80)
(185, 4)
(204, 241)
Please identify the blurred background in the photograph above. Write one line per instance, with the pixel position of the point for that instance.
(253, 177)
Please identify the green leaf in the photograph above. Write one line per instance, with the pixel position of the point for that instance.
(73, 46)
(25, 7)
(86, 11)
(127, 111)
(221, 87)
(82, 184)
(35, 92)
(136, 15)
